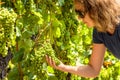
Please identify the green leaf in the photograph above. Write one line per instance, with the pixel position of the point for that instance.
(57, 33)
(50, 69)
(18, 33)
(52, 78)
(13, 74)
(27, 44)
(18, 56)
(56, 23)
(61, 2)
(27, 34)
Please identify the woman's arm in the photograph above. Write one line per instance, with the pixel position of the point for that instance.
(90, 70)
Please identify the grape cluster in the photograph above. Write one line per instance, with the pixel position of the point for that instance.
(7, 21)
(37, 58)
(29, 5)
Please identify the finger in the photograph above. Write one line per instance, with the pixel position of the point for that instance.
(50, 60)
(54, 64)
(47, 59)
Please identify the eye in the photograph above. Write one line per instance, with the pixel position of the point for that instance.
(80, 13)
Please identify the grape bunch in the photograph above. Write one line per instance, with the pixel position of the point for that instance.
(29, 5)
(7, 21)
(37, 58)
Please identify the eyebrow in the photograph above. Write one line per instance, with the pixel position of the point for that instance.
(79, 10)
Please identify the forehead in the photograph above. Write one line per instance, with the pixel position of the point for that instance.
(81, 1)
(78, 5)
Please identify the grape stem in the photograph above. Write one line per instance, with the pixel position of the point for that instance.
(19, 64)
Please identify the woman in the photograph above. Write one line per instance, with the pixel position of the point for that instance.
(104, 16)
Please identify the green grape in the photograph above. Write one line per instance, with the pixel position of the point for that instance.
(7, 21)
(29, 6)
(37, 58)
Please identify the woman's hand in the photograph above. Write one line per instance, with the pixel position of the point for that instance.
(53, 64)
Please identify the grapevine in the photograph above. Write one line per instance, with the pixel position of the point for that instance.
(7, 38)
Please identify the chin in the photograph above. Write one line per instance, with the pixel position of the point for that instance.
(89, 26)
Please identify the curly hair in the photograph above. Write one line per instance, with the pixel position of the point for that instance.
(105, 13)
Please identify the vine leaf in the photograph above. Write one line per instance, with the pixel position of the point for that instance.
(18, 56)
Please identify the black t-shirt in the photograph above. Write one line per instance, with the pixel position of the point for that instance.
(112, 42)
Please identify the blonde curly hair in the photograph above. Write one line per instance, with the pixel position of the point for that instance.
(105, 13)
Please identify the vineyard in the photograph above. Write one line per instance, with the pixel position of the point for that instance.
(31, 29)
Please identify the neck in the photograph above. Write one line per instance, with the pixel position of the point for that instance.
(111, 31)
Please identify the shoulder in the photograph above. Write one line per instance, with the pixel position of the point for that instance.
(117, 27)
(97, 36)
(96, 32)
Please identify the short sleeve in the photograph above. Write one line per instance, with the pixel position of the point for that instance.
(118, 31)
(97, 37)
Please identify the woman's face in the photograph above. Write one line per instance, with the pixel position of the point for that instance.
(84, 16)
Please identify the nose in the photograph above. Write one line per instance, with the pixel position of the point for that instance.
(81, 19)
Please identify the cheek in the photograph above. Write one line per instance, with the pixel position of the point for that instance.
(90, 25)
(89, 22)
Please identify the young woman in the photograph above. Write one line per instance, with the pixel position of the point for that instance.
(104, 17)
